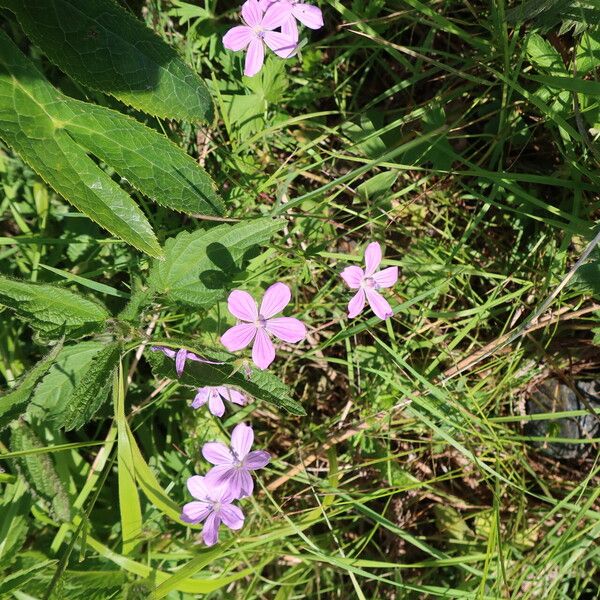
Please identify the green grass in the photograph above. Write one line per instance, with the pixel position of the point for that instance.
(439, 129)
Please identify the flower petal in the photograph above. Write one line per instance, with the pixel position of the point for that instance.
(276, 14)
(195, 512)
(201, 397)
(290, 28)
(353, 276)
(239, 336)
(280, 43)
(356, 304)
(242, 438)
(276, 298)
(287, 329)
(197, 487)
(238, 37)
(246, 483)
(308, 15)
(232, 516)
(167, 351)
(255, 57)
(231, 395)
(242, 305)
(372, 258)
(180, 361)
(216, 405)
(257, 459)
(210, 531)
(252, 13)
(386, 277)
(379, 304)
(223, 481)
(263, 351)
(217, 453)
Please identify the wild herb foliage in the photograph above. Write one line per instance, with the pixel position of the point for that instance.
(144, 178)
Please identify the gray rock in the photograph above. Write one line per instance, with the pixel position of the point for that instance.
(554, 396)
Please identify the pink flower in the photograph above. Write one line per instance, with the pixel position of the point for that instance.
(212, 505)
(215, 395)
(258, 31)
(367, 283)
(233, 465)
(181, 356)
(290, 10)
(259, 325)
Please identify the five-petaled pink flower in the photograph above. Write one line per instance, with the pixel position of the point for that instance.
(290, 11)
(215, 395)
(258, 31)
(259, 325)
(213, 505)
(181, 356)
(233, 465)
(367, 283)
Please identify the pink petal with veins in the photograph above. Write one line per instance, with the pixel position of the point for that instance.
(263, 351)
(372, 258)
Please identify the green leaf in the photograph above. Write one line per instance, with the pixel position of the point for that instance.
(89, 396)
(199, 266)
(14, 403)
(129, 500)
(103, 46)
(37, 132)
(15, 507)
(262, 385)
(377, 187)
(40, 470)
(53, 394)
(587, 277)
(52, 311)
(22, 577)
(543, 54)
(147, 159)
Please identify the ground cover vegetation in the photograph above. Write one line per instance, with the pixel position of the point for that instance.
(299, 301)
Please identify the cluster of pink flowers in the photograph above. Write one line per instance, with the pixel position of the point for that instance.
(230, 479)
(261, 20)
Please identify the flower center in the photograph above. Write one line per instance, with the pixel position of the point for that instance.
(216, 507)
(369, 282)
(259, 32)
(261, 321)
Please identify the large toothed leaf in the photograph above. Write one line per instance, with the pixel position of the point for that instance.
(262, 385)
(147, 159)
(53, 394)
(14, 402)
(103, 46)
(199, 266)
(40, 470)
(51, 310)
(32, 122)
(93, 390)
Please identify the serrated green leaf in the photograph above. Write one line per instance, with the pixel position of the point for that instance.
(14, 403)
(52, 310)
(262, 385)
(37, 132)
(40, 470)
(19, 578)
(147, 159)
(103, 46)
(93, 390)
(199, 266)
(53, 394)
